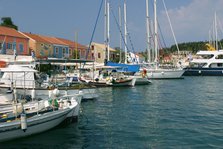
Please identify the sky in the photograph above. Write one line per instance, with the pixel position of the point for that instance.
(191, 19)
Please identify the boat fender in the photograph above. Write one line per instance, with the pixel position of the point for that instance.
(80, 92)
(46, 104)
(56, 92)
(15, 94)
(33, 94)
(4, 116)
(65, 104)
(144, 73)
(66, 93)
(162, 73)
(61, 103)
(50, 93)
(23, 122)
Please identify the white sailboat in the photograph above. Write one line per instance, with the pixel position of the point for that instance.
(155, 72)
(131, 79)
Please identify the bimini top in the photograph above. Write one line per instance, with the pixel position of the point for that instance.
(17, 69)
(126, 67)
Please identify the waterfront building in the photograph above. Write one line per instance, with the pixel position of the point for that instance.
(41, 47)
(98, 52)
(76, 50)
(60, 49)
(13, 42)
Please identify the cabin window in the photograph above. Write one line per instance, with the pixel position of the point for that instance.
(21, 48)
(219, 64)
(9, 46)
(219, 56)
(207, 56)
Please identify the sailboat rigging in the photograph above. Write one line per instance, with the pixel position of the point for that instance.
(155, 72)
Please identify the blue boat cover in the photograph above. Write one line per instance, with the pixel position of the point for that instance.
(125, 67)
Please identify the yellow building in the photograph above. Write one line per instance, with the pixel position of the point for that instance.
(40, 46)
(98, 52)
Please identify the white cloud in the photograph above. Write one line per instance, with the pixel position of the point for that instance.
(191, 22)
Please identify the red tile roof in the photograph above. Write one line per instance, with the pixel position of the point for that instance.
(54, 40)
(73, 44)
(46, 39)
(6, 31)
(36, 37)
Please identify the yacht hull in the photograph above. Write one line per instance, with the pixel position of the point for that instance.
(36, 124)
(165, 74)
(203, 72)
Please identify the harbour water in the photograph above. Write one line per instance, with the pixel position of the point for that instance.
(184, 113)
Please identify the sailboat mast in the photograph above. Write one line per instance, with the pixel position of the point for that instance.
(107, 30)
(125, 32)
(155, 33)
(216, 31)
(148, 33)
(120, 26)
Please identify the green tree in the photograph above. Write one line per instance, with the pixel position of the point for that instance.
(7, 22)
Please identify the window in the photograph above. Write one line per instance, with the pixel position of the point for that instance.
(56, 50)
(99, 55)
(9, 46)
(70, 51)
(21, 48)
(64, 51)
(83, 53)
(45, 46)
(1, 45)
(14, 46)
(113, 56)
(42, 45)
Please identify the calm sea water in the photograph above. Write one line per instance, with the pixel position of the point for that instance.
(185, 113)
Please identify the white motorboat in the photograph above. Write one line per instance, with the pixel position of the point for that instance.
(25, 80)
(25, 125)
(206, 63)
(37, 104)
